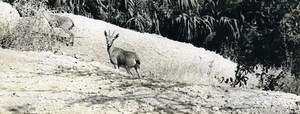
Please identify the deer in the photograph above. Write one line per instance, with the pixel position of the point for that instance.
(120, 57)
(65, 23)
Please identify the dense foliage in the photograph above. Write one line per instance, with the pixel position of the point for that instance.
(250, 32)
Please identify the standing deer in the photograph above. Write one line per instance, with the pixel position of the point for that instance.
(65, 23)
(119, 57)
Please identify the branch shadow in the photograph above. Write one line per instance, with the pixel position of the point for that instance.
(22, 109)
(162, 98)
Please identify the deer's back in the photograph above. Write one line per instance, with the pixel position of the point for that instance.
(123, 57)
(61, 22)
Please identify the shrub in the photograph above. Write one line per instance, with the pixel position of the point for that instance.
(28, 8)
(30, 34)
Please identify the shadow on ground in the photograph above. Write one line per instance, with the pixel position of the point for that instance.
(144, 96)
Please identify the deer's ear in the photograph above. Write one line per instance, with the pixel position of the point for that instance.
(117, 36)
(105, 33)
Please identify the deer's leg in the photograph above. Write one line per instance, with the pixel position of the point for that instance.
(128, 70)
(71, 40)
(137, 71)
(116, 66)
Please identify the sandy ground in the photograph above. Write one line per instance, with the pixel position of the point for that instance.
(177, 78)
(42, 82)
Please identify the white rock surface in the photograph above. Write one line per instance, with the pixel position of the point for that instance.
(9, 17)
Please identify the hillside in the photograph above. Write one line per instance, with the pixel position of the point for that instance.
(177, 78)
(160, 56)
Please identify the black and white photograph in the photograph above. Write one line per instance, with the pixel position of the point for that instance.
(149, 57)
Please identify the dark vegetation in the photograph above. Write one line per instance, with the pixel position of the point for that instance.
(255, 34)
